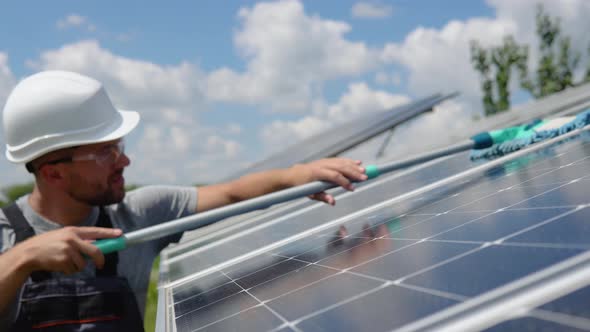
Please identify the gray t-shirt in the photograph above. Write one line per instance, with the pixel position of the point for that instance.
(141, 208)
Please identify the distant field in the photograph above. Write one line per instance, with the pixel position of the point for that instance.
(149, 321)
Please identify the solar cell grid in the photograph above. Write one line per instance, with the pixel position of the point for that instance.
(397, 264)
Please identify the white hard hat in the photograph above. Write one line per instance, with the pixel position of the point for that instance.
(52, 110)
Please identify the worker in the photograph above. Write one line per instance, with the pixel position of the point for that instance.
(64, 128)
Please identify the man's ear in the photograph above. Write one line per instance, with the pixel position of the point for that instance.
(51, 174)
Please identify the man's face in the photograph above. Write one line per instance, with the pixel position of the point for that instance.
(95, 174)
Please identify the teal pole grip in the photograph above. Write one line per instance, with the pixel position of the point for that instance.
(108, 246)
(482, 141)
(372, 171)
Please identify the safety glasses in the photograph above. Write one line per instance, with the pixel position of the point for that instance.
(106, 156)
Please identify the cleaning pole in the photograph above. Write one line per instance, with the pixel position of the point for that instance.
(262, 202)
(480, 141)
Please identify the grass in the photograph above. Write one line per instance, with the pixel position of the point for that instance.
(149, 320)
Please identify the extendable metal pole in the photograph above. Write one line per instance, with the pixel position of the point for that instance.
(262, 202)
(479, 141)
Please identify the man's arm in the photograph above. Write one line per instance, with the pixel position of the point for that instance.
(336, 170)
(14, 271)
(61, 250)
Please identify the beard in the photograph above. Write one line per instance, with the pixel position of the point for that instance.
(107, 197)
(96, 194)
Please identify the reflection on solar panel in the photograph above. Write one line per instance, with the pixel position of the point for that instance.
(449, 245)
(343, 137)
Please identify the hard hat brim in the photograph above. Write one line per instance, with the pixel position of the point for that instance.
(128, 121)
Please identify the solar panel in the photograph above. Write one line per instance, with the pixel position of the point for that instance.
(570, 101)
(437, 247)
(343, 137)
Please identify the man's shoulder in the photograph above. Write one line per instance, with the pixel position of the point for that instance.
(155, 194)
(153, 204)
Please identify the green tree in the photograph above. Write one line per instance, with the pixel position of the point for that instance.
(131, 187)
(557, 60)
(495, 67)
(12, 193)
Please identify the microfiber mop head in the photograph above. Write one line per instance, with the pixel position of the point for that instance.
(536, 134)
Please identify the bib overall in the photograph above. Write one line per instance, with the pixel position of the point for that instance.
(51, 303)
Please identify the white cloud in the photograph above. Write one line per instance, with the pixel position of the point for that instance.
(371, 10)
(444, 126)
(7, 80)
(182, 154)
(234, 129)
(384, 78)
(218, 145)
(75, 20)
(133, 84)
(439, 60)
(7, 83)
(358, 100)
(573, 16)
(290, 55)
(170, 100)
(71, 20)
(291, 131)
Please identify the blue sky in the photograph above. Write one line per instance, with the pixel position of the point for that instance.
(221, 84)
(197, 30)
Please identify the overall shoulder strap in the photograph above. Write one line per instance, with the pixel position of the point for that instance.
(112, 259)
(22, 231)
(19, 223)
